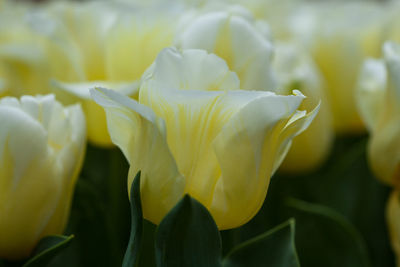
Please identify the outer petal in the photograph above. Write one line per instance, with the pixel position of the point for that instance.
(70, 93)
(249, 149)
(371, 91)
(141, 136)
(393, 221)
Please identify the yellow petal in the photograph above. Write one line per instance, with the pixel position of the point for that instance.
(192, 69)
(370, 92)
(142, 138)
(249, 149)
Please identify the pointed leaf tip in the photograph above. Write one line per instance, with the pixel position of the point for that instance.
(188, 236)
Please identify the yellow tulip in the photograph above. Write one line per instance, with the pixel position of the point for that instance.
(379, 97)
(33, 49)
(42, 146)
(193, 131)
(393, 222)
(114, 52)
(341, 37)
(295, 69)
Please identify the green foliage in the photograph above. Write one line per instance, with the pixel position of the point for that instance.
(343, 186)
(100, 212)
(135, 240)
(274, 248)
(326, 238)
(188, 236)
(47, 248)
(339, 214)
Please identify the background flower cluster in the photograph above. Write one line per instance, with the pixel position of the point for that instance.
(263, 112)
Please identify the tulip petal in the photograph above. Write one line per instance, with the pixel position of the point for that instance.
(249, 149)
(371, 91)
(141, 136)
(192, 69)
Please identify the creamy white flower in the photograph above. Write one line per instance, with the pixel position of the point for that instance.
(193, 131)
(340, 36)
(42, 146)
(115, 51)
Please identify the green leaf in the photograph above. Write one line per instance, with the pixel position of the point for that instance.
(188, 236)
(276, 247)
(47, 248)
(132, 252)
(326, 238)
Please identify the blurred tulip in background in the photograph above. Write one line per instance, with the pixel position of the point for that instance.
(42, 149)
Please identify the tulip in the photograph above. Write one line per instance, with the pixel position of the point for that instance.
(114, 52)
(33, 47)
(379, 96)
(340, 37)
(295, 69)
(42, 147)
(193, 131)
(393, 222)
